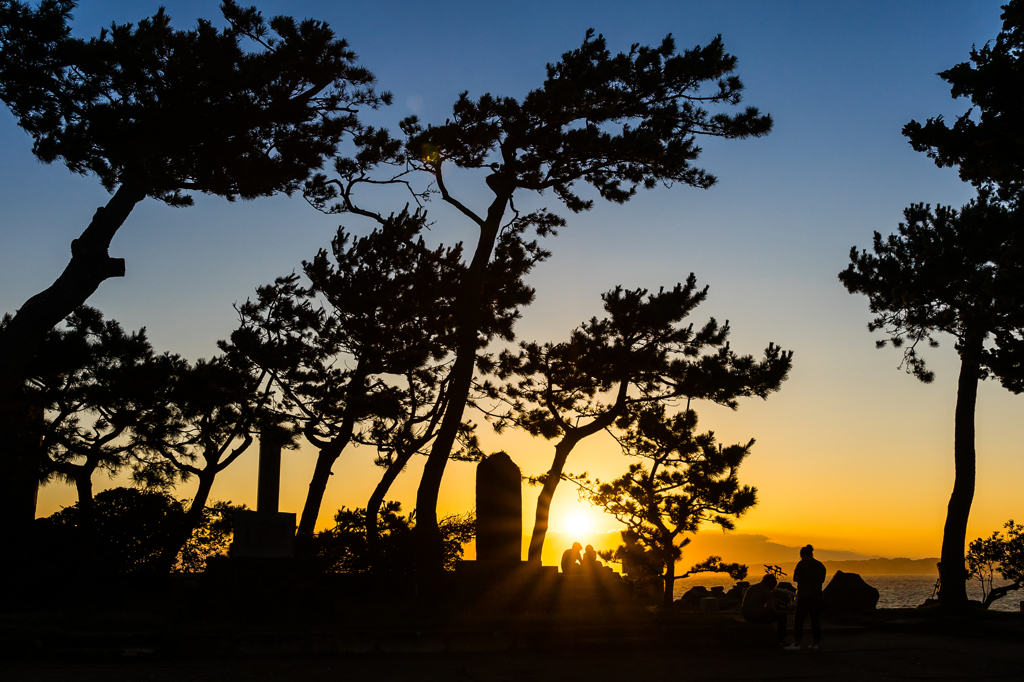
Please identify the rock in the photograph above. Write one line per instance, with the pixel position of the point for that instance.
(709, 605)
(848, 593)
(732, 599)
(690, 601)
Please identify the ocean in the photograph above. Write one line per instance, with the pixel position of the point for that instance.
(894, 591)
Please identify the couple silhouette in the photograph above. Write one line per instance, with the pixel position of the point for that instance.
(572, 562)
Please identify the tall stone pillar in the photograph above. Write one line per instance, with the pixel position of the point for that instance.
(267, 532)
(268, 482)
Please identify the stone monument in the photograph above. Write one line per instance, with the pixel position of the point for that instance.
(499, 510)
(266, 533)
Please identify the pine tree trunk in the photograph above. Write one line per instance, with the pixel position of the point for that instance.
(954, 536)
(89, 266)
(427, 535)
(87, 550)
(562, 450)
(670, 579)
(376, 501)
(193, 517)
(318, 486)
(83, 486)
(547, 492)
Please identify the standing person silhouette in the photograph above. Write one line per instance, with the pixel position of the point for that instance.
(809, 576)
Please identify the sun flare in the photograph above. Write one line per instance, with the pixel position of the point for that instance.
(578, 523)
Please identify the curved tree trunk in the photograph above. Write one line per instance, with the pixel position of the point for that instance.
(83, 486)
(193, 517)
(565, 446)
(89, 266)
(999, 592)
(427, 535)
(82, 476)
(317, 487)
(670, 580)
(375, 502)
(540, 524)
(953, 592)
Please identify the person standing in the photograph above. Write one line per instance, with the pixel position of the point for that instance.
(809, 576)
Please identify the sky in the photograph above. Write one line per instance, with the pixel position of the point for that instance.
(852, 454)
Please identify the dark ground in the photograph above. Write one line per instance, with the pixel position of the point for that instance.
(888, 645)
(862, 656)
(572, 633)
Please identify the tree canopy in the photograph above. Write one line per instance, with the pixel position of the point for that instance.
(244, 111)
(959, 272)
(682, 480)
(643, 352)
(987, 141)
(614, 122)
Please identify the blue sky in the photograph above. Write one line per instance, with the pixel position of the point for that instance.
(852, 452)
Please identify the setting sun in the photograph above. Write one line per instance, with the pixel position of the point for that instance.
(578, 523)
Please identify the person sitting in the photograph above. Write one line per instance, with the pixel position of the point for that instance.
(571, 560)
(760, 606)
(590, 561)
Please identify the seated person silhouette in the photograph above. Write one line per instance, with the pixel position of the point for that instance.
(590, 561)
(760, 605)
(571, 560)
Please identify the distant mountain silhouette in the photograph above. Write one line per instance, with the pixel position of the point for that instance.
(876, 566)
(751, 549)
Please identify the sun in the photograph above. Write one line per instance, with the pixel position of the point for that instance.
(578, 523)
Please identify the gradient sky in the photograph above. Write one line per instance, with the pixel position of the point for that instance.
(852, 454)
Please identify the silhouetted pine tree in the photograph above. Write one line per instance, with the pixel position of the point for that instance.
(614, 122)
(683, 479)
(959, 272)
(363, 354)
(986, 142)
(246, 111)
(641, 353)
(218, 407)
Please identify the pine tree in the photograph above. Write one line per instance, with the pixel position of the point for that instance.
(957, 272)
(682, 479)
(642, 353)
(614, 122)
(246, 111)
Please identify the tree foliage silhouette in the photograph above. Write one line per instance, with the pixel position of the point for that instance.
(245, 111)
(986, 142)
(363, 353)
(218, 407)
(684, 479)
(133, 528)
(641, 353)
(958, 272)
(613, 122)
(998, 553)
(96, 386)
(345, 547)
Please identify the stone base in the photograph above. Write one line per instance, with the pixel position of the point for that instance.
(264, 535)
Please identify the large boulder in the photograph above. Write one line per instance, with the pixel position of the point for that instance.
(848, 593)
(690, 601)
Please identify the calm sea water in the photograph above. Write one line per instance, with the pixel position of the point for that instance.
(894, 591)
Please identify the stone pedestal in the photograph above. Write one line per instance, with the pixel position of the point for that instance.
(260, 534)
